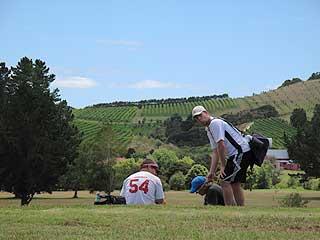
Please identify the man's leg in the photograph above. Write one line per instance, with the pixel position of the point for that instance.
(227, 193)
(238, 193)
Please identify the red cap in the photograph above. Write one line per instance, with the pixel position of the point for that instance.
(150, 165)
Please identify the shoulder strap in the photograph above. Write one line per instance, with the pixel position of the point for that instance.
(230, 139)
(230, 124)
(233, 142)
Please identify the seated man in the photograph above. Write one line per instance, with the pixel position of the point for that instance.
(143, 187)
(213, 192)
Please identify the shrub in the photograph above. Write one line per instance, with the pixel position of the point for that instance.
(166, 159)
(165, 185)
(123, 169)
(293, 200)
(293, 182)
(196, 170)
(281, 185)
(177, 181)
(312, 184)
(263, 178)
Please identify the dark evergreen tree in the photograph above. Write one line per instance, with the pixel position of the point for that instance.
(173, 124)
(304, 146)
(314, 76)
(36, 131)
(298, 118)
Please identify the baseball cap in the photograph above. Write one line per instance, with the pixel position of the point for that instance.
(196, 183)
(197, 110)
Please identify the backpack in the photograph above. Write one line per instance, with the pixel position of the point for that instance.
(258, 143)
(110, 200)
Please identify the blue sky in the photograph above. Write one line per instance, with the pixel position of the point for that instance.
(104, 51)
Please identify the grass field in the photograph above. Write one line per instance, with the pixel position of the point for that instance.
(58, 216)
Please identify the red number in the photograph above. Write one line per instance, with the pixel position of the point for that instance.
(134, 187)
(144, 186)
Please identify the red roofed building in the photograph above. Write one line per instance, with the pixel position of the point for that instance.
(282, 159)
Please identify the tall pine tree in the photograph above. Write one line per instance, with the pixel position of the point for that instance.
(36, 131)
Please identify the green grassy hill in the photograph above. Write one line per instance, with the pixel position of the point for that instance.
(300, 95)
(304, 94)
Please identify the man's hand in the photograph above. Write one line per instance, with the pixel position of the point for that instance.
(210, 177)
(222, 173)
(161, 201)
(204, 188)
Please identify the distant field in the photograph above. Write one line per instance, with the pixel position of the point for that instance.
(184, 217)
(90, 128)
(184, 109)
(273, 128)
(126, 119)
(106, 114)
(300, 95)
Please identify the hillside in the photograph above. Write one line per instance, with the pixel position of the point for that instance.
(305, 94)
(300, 95)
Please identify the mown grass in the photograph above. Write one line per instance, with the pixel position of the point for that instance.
(158, 222)
(58, 216)
(257, 198)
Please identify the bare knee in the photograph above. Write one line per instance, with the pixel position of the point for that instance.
(225, 184)
(236, 185)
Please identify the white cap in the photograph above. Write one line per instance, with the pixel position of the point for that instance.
(197, 110)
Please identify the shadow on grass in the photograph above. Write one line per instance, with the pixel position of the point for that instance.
(311, 198)
(9, 198)
(46, 198)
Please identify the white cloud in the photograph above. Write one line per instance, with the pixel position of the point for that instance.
(75, 82)
(120, 42)
(150, 84)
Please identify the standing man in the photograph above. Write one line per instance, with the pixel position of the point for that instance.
(231, 150)
(143, 187)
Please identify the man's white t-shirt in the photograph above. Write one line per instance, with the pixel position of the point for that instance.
(216, 132)
(142, 188)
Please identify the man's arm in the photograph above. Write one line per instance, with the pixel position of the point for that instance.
(222, 152)
(213, 165)
(159, 193)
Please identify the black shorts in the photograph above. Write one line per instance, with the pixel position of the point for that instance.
(236, 167)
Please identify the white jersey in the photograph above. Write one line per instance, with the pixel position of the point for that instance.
(142, 188)
(216, 132)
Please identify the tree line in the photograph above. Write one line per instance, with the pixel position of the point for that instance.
(288, 82)
(141, 103)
